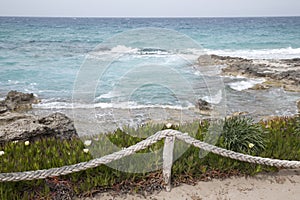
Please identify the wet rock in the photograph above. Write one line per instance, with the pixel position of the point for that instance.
(285, 72)
(18, 102)
(203, 105)
(260, 87)
(204, 108)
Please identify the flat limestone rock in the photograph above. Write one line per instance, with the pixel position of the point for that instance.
(278, 73)
(17, 126)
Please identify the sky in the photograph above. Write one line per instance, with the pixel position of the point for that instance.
(150, 8)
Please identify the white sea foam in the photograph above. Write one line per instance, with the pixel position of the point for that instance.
(245, 84)
(123, 49)
(12, 82)
(102, 52)
(191, 54)
(283, 53)
(108, 95)
(119, 105)
(214, 99)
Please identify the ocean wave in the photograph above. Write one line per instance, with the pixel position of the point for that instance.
(119, 105)
(153, 51)
(282, 53)
(13, 82)
(147, 51)
(215, 99)
(123, 49)
(245, 84)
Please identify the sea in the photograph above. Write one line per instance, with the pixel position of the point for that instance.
(130, 71)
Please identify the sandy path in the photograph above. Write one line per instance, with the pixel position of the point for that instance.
(282, 185)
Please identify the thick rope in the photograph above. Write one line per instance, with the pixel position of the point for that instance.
(42, 174)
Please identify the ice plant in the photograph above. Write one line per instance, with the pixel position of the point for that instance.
(85, 150)
(1, 153)
(87, 142)
(26, 143)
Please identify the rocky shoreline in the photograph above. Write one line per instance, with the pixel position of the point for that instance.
(16, 124)
(283, 73)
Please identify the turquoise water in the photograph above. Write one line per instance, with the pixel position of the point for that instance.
(43, 55)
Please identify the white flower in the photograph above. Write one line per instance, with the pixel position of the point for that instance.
(87, 142)
(15, 142)
(250, 145)
(85, 150)
(26, 143)
(168, 125)
(1, 153)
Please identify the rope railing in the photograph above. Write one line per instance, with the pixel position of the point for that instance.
(169, 136)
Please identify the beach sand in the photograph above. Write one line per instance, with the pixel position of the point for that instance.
(282, 185)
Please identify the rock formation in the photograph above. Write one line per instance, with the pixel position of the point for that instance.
(18, 101)
(283, 73)
(21, 126)
(204, 107)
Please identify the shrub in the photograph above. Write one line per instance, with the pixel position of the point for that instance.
(241, 134)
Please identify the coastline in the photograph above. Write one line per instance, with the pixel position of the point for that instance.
(280, 77)
(282, 73)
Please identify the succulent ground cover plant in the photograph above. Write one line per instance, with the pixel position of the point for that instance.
(277, 138)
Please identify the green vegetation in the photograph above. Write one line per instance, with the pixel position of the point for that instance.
(240, 134)
(277, 138)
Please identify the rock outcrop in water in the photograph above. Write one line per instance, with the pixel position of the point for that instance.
(281, 73)
(204, 107)
(18, 102)
(22, 126)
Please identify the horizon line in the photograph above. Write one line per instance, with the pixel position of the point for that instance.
(254, 16)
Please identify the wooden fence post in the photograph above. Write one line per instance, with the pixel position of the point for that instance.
(168, 160)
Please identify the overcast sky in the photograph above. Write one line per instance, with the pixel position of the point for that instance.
(154, 8)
